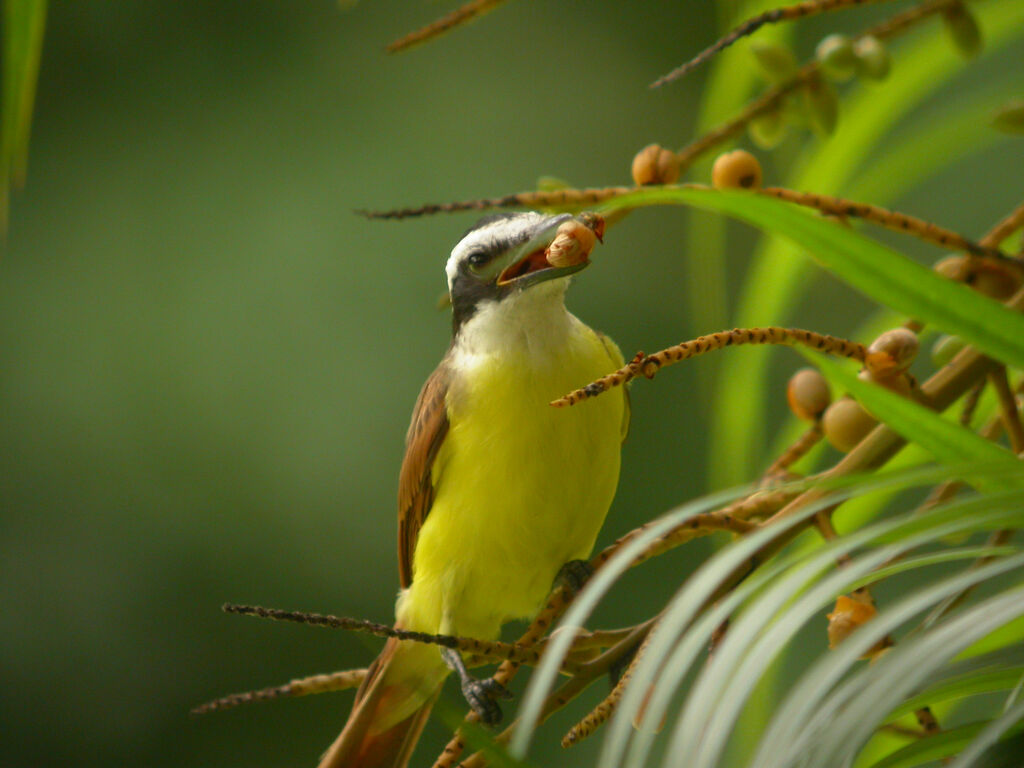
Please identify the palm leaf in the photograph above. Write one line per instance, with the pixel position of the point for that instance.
(883, 274)
(767, 608)
(764, 628)
(675, 633)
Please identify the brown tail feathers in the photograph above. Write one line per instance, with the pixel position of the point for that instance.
(403, 682)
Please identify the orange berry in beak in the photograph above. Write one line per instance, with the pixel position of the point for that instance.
(574, 240)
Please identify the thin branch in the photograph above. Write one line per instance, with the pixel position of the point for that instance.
(598, 638)
(497, 651)
(555, 701)
(764, 104)
(1013, 221)
(997, 539)
(947, 490)
(901, 22)
(971, 403)
(649, 365)
(898, 222)
(556, 605)
(734, 517)
(902, 730)
(461, 15)
(773, 97)
(940, 494)
(573, 687)
(600, 714)
(701, 525)
(751, 25)
(1009, 411)
(303, 686)
(560, 198)
(794, 453)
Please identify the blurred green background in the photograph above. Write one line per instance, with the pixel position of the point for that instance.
(207, 361)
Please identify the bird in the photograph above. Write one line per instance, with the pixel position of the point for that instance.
(500, 495)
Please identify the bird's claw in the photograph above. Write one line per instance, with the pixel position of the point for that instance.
(481, 695)
(573, 575)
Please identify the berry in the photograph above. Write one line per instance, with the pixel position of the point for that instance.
(808, 394)
(736, 170)
(655, 165)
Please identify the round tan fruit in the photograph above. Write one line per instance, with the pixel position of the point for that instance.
(891, 353)
(808, 394)
(736, 170)
(655, 165)
(846, 423)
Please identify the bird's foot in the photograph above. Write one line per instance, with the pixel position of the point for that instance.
(481, 695)
(573, 575)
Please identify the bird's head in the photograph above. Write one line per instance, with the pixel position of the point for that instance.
(508, 254)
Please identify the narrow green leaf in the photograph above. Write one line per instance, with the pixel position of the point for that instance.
(1010, 635)
(936, 747)
(22, 45)
(984, 681)
(876, 270)
(1002, 729)
(1010, 656)
(950, 443)
(933, 558)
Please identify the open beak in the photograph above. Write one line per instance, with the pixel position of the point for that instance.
(561, 246)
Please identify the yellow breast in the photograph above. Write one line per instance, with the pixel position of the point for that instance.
(520, 487)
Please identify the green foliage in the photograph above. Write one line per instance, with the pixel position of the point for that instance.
(775, 282)
(881, 273)
(949, 443)
(1000, 676)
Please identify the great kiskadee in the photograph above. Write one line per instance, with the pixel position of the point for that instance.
(498, 490)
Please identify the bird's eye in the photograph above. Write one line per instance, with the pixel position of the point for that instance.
(477, 259)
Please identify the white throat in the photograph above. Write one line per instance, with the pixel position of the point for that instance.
(534, 323)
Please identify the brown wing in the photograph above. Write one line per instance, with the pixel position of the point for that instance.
(415, 488)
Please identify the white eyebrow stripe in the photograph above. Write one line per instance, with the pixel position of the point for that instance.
(487, 236)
